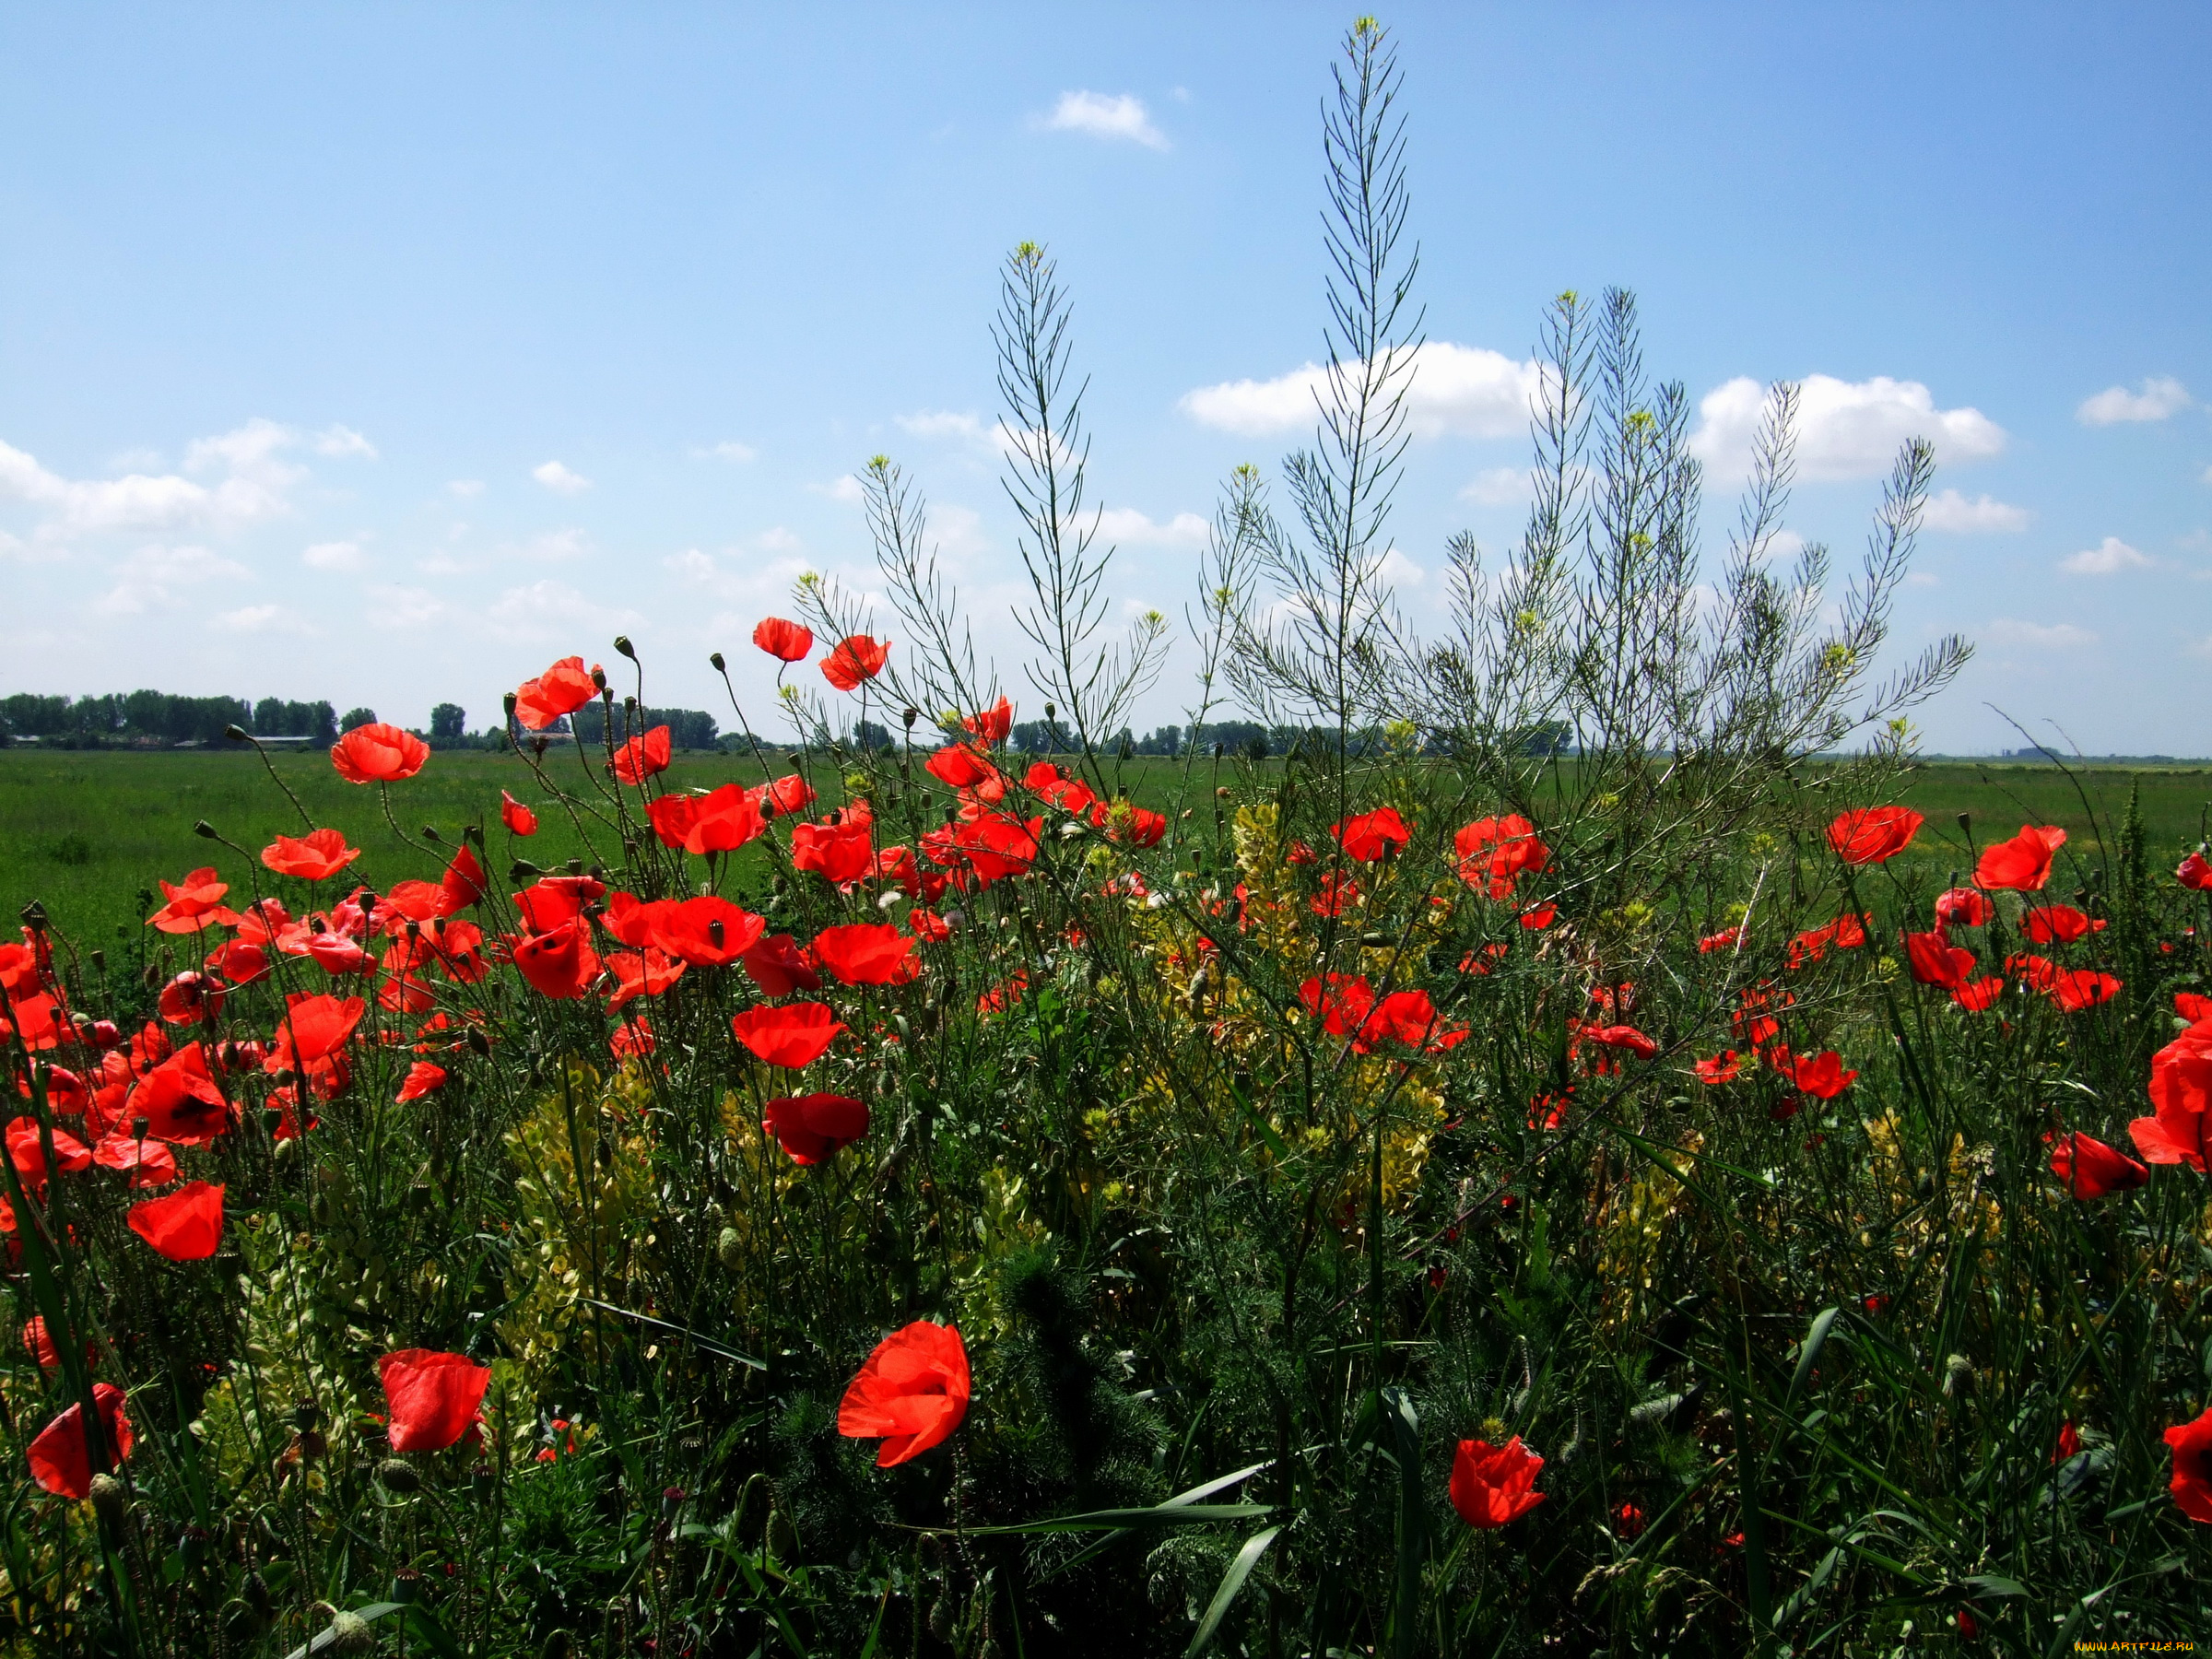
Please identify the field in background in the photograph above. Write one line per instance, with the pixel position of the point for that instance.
(83, 833)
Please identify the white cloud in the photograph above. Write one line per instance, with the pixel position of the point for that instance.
(333, 556)
(1127, 526)
(1952, 512)
(554, 545)
(466, 488)
(1845, 429)
(846, 489)
(260, 619)
(728, 450)
(2056, 636)
(553, 611)
(1467, 391)
(439, 564)
(255, 488)
(402, 607)
(777, 539)
(1397, 570)
(344, 441)
(2108, 558)
(1499, 487)
(1121, 116)
(561, 479)
(941, 423)
(1922, 579)
(2158, 398)
(168, 566)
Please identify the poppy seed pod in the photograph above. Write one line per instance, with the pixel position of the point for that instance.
(623, 645)
(204, 829)
(349, 1633)
(715, 662)
(108, 1495)
(237, 733)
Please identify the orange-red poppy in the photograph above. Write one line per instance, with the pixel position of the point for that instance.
(191, 997)
(316, 856)
(1136, 826)
(993, 724)
(2058, 924)
(2092, 1169)
(813, 1127)
(422, 1077)
(193, 903)
(792, 1035)
(959, 766)
(1494, 1485)
(560, 689)
(61, 1460)
(642, 756)
(708, 932)
(378, 753)
(1495, 853)
(778, 967)
(518, 818)
(1873, 834)
(185, 1225)
(2191, 1482)
(2021, 864)
(911, 1393)
(789, 641)
(838, 852)
(1934, 961)
(1372, 835)
(432, 1399)
(1963, 907)
(559, 963)
(1721, 1068)
(867, 953)
(856, 658)
(2180, 1097)
(180, 1102)
(2195, 873)
(722, 822)
(1822, 1075)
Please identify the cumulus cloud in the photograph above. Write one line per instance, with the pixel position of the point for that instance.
(2039, 636)
(1499, 487)
(556, 544)
(465, 488)
(1952, 512)
(344, 441)
(333, 556)
(559, 479)
(2108, 558)
(1127, 526)
(846, 489)
(402, 607)
(729, 449)
(553, 611)
(254, 487)
(1845, 429)
(2154, 399)
(1121, 116)
(1464, 391)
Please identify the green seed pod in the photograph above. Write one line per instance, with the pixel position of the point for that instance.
(108, 1497)
(399, 1475)
(729, 1250)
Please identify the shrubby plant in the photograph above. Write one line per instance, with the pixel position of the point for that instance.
(1546, 1165)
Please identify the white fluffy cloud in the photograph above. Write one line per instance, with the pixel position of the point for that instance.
(402, 609)
(561, 479)
(1127, 526)
(559, 545)
(344, 441)
(255, 485)
(1845, 429)
(2041, 636)
(1952, 512)
(553, 611)
(2108, 558)
(1464, 391)
(333, 556)
(2154, 399)
(729, 449)
(1121, 116)
(1499, 487)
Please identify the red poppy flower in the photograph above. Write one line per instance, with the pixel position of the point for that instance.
(66, 1091)
(185, 1225)
(1339, 893)
(792, 1035)
(558, 963)
(1873, 834)
(2069, 1442)
(960, 767)
(180, 1102)
(720, 822)
(518, 818)
(646, 972)
(1486, 960)
(1005, 994)
(1538, 917)
(1936, 961)
(2074, 989)
(2195, 873)
(432, 1399)
(993, 724)
(1491, 1485)
(193, 903)
(1963, 907)
(189, 998)
(854, 659)
(867, 953)
(60, 1461)
(26, 1151)
(1847, 932)
(2092, 1169)
(2191, 1007)
(422, 1077)
(839, 851)
(551, 901)
(1721, 1068)
(463, 882)
(560, 689)
(1409, 1017)
(812, 1127)
(995, 846)
(778, 967)
(150, 1162)
(1822, 1075)
(2180, 1095)
(912, 1393)
(1495, 853)
(2021, 864)
(642, 756)
(1136, 826)
(316, 856)
(2058, 924)
(39, 1345)
(708, 932)
(1620, 1037)
(787, 794)
(635, 1038)
(1728, 938)
(2192, 1483)
(313, 1029)
(790, 641)
(928, 925)
(378, 753)
(1372, 835)
(1977, 996)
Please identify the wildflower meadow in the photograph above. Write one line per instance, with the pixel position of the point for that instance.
(1450, 1192)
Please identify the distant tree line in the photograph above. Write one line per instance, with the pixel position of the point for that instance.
(1246, 739)
(148, 718)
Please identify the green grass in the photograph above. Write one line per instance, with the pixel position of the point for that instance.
(84, 832)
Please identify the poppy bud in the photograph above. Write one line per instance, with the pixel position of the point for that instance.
(237, 733)
(99, 961)
(714, 661)
(1965, 822)
(204, 829)
(34, 914)
(140, 1125)
(622, 644)
(108, 1495)
(599, 676)
(575, 866)
(522, 872)
(479, 1042)
(429, 833)
(729, 1250)
(272, 1118)
(672, 1500)
(782, 1537)
(508, 702)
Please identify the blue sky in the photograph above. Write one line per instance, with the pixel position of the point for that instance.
(386, 353)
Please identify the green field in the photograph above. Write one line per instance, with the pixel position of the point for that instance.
(83, 833)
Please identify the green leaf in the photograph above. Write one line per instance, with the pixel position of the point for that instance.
(1165, 1514)
(1225, 1593)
